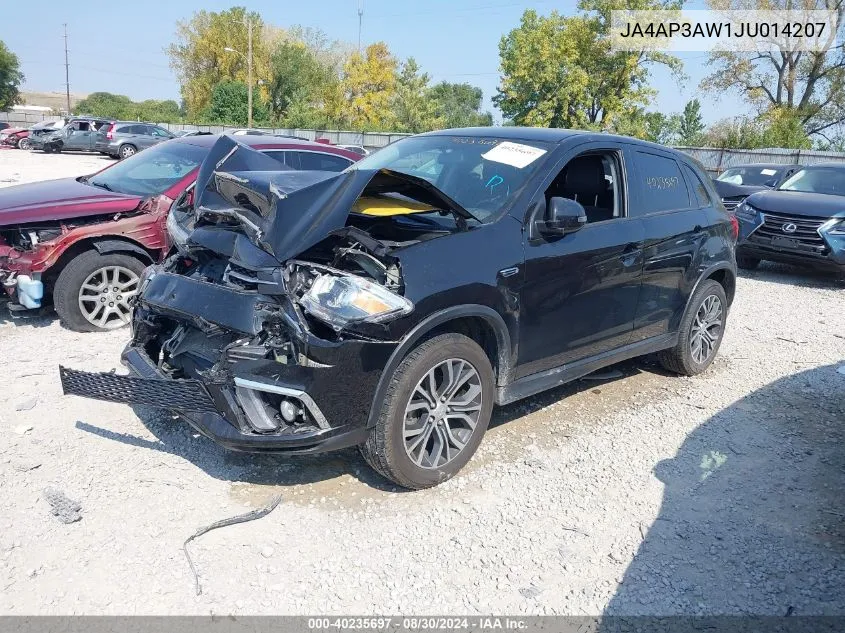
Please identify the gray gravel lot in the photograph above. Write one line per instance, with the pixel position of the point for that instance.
(646, 494)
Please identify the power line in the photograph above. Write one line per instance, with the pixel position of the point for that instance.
(67, 73)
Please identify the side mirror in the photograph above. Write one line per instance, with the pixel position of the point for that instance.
(563, 216)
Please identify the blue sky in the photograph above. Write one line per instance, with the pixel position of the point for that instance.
(119, 46)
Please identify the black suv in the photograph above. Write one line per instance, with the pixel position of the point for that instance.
(392, 305)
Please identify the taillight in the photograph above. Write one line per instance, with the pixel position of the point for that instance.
(735, 227)
(109, 133)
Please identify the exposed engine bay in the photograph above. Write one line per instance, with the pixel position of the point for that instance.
(282, 269)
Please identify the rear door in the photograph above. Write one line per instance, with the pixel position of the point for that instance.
(674, 219)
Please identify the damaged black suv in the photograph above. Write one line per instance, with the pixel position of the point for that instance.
(391, 306)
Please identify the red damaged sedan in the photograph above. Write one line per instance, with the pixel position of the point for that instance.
(82, 243)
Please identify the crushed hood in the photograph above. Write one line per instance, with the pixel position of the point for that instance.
(63, 199)
(286, 212)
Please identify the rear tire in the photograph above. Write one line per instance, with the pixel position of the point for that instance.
(451, 430)
(127, 150)
(83, 269)
(747, 263)
(701, 329)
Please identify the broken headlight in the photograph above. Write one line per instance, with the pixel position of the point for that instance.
(340, 301)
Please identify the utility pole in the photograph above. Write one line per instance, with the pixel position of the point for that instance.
(67, 74)
(249, 68)
(360, 20)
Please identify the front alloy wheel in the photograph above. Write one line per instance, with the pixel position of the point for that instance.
(442, 413)
(104, 297)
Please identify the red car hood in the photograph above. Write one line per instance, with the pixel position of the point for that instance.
(63, 199)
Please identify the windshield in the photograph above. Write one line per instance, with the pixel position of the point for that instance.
(756, 176)
(827, 180)
(482, 174)
(153, 171)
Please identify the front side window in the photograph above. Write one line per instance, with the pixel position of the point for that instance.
(484, 175)
(826, 180)
(593, 181)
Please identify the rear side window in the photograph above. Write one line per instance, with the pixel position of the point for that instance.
(126, 129)
(321, 162)
(701, 194)
(662, 184)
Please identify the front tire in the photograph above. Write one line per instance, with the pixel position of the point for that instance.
(93, 291)
(435, 412)
(24, 143)
(700, 333)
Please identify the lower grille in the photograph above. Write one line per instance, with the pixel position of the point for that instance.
(804, 238)
(181, 395)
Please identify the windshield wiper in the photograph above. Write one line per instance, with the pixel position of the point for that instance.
(101, 185)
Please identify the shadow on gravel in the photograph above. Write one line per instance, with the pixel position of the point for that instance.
(753, 513)
(35, 318)
(176, 437)
(795, 275)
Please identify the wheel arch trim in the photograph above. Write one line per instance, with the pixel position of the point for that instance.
(407, 343)
(104, 247)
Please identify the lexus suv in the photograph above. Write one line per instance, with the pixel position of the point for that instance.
(391, 306)
(801, 222)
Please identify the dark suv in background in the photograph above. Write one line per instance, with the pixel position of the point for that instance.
(122, 139)
(393, 304)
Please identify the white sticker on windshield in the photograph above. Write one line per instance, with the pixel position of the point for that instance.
(768, 172)
(514, 154)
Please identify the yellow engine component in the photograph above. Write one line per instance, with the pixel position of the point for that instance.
(388, 205)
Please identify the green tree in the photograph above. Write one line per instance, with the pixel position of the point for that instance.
(297, 76)
(369, 87)
(10, 78)
(809, 84)
(459, 105)
(783, 127)
(106, 105)
(691, 126)
(560, 71)
(412, 106)
(737, 133)
(228, 105)
(201, 61)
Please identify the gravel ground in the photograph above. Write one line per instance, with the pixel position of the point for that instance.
(644, 494)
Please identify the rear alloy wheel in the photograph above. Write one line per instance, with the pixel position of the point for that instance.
(700, 333)
(435, 412)
(94, 291)
(127, 150)
(24, 143)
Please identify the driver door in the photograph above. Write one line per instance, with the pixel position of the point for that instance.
(581, 289)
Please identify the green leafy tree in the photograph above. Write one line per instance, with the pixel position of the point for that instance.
(737, 133)
(459, 105)
(297, 76)
(229, 105)
(10, 78)
(691, 125)
(809, 84)
(413, 108)
(560, 71)
(201, 61)
(106, 105)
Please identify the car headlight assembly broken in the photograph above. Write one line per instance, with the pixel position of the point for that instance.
(343, 300)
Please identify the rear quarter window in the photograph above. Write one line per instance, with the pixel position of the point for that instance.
(698, 187)
(662, 184)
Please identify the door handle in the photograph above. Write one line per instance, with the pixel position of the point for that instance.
(698, 229)
(633, 246)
